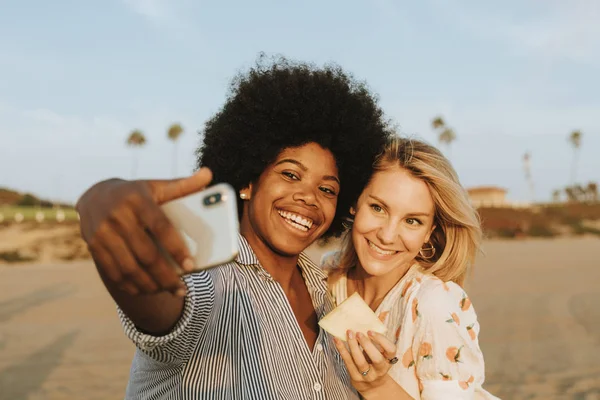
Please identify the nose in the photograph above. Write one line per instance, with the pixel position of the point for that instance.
(306, 195)
(388, 232)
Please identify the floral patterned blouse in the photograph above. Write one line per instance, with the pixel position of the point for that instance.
(435, 329)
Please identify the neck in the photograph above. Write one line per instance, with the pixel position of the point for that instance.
(371, 288)
(283, 268)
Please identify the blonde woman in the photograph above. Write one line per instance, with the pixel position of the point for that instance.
(412, 241)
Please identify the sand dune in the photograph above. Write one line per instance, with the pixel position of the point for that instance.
(537, 301)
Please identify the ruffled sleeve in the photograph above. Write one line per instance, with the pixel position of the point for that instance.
(448, 360)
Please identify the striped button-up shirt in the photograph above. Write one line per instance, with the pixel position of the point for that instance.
(238, 338)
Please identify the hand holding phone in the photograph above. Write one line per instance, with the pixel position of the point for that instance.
(208, 223)
(123, 223)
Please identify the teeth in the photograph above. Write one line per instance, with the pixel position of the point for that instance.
(297, 226)
(296, 219)
(380, 250)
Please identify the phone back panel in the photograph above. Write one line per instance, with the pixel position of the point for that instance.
(209, 230)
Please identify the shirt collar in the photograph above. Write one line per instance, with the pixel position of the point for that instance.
(245, 255)
(314, 277)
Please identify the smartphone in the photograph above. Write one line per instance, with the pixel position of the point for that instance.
(208, 223)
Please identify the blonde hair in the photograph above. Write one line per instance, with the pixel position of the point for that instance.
(457, 235)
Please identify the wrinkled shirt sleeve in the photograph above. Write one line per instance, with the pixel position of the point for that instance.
(176, 346)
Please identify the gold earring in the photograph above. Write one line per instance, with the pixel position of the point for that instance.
(430, 249)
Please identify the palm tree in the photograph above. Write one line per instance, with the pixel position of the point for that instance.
(592, 190)
(438, 122)
(580, 193)
(556, 195)
(575, 140)
(570, 192)
(135, 140)
(173, 134)
(528, 178)
(446, 135)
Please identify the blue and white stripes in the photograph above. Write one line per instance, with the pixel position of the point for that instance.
(239, 339)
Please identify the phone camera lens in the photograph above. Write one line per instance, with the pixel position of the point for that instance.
(212, 199)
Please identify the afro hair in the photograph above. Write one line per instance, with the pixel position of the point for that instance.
(279, 104)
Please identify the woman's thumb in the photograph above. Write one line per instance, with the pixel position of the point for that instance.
(166, 190)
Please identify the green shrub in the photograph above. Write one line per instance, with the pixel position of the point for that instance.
(13, 257)
(506, 233)
(28, 201)
(541, 231)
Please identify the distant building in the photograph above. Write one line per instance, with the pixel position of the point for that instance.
(488, 196)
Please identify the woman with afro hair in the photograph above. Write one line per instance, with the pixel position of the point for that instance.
(297, 143)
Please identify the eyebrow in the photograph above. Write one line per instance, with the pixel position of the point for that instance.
(417, 214)
(303, 168)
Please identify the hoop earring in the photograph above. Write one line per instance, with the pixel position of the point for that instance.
(431, 249)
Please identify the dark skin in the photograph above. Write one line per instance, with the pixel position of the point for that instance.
(118, 219)
(302, 181)
(306, 316)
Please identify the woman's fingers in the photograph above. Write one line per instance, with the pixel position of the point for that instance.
(149, 254)
(137, 238)
(112, 270)
(348, 360)
(164, 191)
(372, 352)
(366, 355)
(130, 270)
(387, 348)
(102, 256)
(379, 359)
(162, 230)
(357, 355)
(122, 221)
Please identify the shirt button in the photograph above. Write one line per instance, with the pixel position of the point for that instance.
(317, 386)
(319, 347)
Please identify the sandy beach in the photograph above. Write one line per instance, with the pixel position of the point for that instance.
(537, 302)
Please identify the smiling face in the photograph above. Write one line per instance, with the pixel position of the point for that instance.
(394, 218)
(293, 202)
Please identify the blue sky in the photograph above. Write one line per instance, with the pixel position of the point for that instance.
(509, 77)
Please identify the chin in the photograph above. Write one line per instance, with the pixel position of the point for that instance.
(375, 268)
(287, 246)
